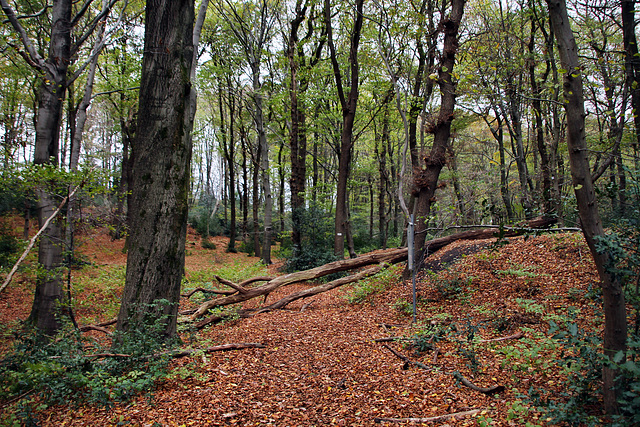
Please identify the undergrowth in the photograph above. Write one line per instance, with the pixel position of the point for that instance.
(73, 369)
(375, 284)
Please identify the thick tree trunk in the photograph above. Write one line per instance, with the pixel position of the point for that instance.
(426, 178)
(264, 168)
(161, 171)
(297, 137)
(615, 329)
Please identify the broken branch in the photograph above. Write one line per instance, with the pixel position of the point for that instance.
(406, 360)
(515, 336)
(485, 390)
(455, 416)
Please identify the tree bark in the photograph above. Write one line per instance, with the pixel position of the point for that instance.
(426, 178)
(348, 105)
(45, 312)
(615, 329)
(161, 171)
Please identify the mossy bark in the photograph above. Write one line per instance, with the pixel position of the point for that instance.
(161, 170)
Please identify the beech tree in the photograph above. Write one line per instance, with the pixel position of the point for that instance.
(161, 170)
(425, 179)
(53, 70)
(615, 317)
(348, 105)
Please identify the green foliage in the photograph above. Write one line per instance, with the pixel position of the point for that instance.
(450, 287)
(403, 306)
(101, 287)
(316, 229)
(9, 246)
(200, 219)
(61, 371)
(207, 244)
(375, 284)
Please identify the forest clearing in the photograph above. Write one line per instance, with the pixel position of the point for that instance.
(331, 360)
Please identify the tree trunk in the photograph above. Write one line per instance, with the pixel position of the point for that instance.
(615, 329)
(45, 312)
(297, 137)
(426, 178)
(348, 118)
(632, 65)
(161, 171)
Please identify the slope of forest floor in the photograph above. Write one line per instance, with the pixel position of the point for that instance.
(321, 364)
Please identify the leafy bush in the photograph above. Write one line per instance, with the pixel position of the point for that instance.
(316, 229)
(61, 371)
(9, 246)
(205, 225)
(208, 244)
(450, 287)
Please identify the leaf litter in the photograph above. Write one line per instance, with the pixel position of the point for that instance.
(322, 366)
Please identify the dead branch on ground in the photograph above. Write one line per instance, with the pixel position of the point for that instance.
(406, 360)
(207, 291)
(456, 416)
(485, 390)
(515, 336)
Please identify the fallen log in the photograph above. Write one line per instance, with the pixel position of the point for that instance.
(390, 256)
(321, 288)
(486, 233)
(439, 418)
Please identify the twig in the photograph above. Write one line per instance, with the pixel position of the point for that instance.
(392, 339)
(406, 360)
(455, 416)
(223, 347)
(515, 336)
(87, 328)
(307, 305)
(488, 391)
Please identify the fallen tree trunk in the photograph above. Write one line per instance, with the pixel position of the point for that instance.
(290, 298)
(486, 233)
(390, 256)
(322, 288)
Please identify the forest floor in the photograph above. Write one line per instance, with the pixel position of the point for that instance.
(321, 365)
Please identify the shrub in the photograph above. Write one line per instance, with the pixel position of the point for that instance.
(9, 246)
(316, 229)
(61, 371)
